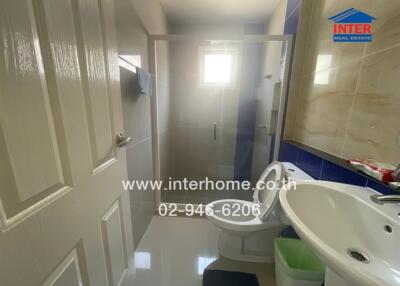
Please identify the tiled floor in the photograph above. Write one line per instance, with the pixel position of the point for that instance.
(175, 250)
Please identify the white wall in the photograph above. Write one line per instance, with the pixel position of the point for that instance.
(276, 22)
(151, 14)
(213, 30)
(135, 20)
(155, 22)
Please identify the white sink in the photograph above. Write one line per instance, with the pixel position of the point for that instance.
(336, 219)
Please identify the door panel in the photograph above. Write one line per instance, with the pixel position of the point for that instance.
(106, 8)
(28, 120)
(60, 170)
(114, 248)
(68, 273)
(94, 82)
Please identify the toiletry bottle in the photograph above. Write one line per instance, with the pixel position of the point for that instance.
(396, 174)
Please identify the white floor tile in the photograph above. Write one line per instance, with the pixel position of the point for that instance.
(175, 251)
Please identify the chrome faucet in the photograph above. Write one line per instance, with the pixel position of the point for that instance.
(381, 199)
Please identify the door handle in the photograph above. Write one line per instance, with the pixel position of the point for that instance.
(215, 131)
(123, 140)
(265, 127)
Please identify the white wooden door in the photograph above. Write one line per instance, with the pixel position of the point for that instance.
(64, 217)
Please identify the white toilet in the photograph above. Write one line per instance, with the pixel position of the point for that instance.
(248, 229)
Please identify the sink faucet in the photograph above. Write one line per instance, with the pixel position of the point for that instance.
(381, 199)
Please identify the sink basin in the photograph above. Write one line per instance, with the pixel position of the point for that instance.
(357, 239)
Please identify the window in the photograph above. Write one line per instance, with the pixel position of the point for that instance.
(322, 71)
(143, 260)
(130, 62)
(217, 67)
(135, 60)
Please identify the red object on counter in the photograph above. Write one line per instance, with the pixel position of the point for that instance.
(380, 171)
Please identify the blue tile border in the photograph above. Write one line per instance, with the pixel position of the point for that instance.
(335, 173)
(323, 166)
(288, 153)
(309, 163)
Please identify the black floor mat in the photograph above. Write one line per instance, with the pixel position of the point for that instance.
(228, 278)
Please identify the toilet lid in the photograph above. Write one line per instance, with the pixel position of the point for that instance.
(267, 189)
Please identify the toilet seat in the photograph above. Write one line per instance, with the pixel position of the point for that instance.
(264, 198)
(268, 196)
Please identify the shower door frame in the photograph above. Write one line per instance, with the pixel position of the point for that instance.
(285, 38)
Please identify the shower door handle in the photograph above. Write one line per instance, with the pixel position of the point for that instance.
(122, 140)
(215, 131)
(266, 127)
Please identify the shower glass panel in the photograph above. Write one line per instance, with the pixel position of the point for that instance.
(221, 116)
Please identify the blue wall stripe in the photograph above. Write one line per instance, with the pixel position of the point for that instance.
(322, 169)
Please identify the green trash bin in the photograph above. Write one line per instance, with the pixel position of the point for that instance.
(296, 264)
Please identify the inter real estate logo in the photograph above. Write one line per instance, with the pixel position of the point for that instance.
(352, 25)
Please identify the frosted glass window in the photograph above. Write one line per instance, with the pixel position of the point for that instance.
(322, 71)
(142, 260)
(217, 68)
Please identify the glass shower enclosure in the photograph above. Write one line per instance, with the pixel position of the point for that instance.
(217, 113)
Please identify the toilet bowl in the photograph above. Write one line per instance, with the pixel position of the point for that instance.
(248, 229)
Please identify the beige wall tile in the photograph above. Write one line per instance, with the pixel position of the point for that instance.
(380, 73)
(333, 7)
(320, 42)
(374, 122)
(291, 110)
(373, 128)
(356, 113)
(322, 114)
(297, 69)
(386, 27)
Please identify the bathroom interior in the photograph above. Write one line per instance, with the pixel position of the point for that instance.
(221, 120)
(268, 91)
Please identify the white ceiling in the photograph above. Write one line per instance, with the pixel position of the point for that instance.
(218, 11)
